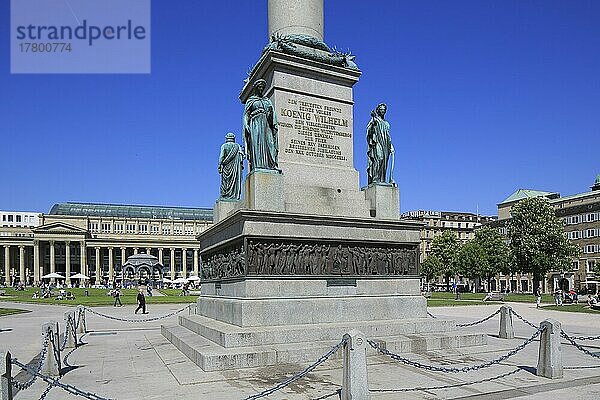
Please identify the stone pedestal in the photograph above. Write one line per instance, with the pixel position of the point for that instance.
(224, 208)
(264, 191)
(384, 200)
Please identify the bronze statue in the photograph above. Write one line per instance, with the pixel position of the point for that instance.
(231, 163)
(260, 130)
(379, 147)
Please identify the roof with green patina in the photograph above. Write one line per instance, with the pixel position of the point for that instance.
(132, 211)
(528, 193)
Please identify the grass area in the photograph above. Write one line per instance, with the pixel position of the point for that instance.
(10, 311)
(452, 302)
(97, 297)
(512, 297)
(580, 308)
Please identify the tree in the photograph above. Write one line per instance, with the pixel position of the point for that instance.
(471, 260)
(445, 248)
(430, 268)
(537, 240)
(496, 253)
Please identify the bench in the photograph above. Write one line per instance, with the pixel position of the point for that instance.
(495, 296)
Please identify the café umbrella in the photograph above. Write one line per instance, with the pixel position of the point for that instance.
(80, 276)
(53, 275)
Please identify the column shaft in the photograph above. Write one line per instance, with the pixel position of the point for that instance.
(98, 271)
(196, 262)
(111, 266)
(184, 261)
(83, 259)
(52, 260)
(68, 263)
(22, 264)
(37, 272)
(172, 263)
(7, 265)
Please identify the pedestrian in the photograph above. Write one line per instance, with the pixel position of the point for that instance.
(117, 296)
(141, 299)
(538, 297)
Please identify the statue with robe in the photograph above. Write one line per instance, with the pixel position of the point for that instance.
(260, 130)
(379, 147)
(231, 163)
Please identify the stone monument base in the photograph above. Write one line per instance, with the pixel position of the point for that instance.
(224, 208)
(384, 199)
(264, 190)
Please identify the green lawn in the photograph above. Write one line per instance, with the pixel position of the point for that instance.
(512, 297)
(97, 297)
(10, 311)
(580, 308)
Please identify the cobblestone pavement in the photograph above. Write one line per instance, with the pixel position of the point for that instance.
(126, 360)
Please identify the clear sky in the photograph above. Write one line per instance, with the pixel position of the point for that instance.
(484, 97)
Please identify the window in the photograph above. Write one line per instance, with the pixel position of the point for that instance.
(93, 226)
(105, 227)
(130, 228)
(575, 265)
(143, 229)
(166, 230)
(10, 218)
(154, 229)
(591, 264)
(178, 230)
(591, 233)
(118, 228)
(590, 248)
(18, 218)
(189, 229)
(591, 217)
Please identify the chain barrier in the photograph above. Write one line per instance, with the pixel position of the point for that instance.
(586, 337)
(523, 319)
(577, 345)
(300, 374)
(42, 357)
(137, 320)
(480, 321)
(68, 327)
(337, 392)
(81, 318)
(431, 315)
(486, 364)
(56, 383)
(48, 389)
(455, 385)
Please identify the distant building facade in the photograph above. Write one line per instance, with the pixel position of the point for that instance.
(96, 239)
(463, 224)
(580, 214)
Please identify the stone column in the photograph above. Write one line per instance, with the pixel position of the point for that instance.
(22, 264)
(135, 250)
(111, 266)
(98, 270)
(184, 262)
(68, 262)
(160, 255)
(83, 258)
(196, 272)
(172, 263)
(7, 265)
(37, 272)
(52, 260)
(354, 377)
(148, 250)
(301, 17)
(506, 323)
(550, 363)
(123, 257)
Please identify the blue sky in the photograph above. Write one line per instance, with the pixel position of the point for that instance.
(484, 97)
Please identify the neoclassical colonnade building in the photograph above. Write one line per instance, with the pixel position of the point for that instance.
(96, 239)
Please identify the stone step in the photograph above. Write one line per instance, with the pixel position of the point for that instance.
(228, 335)
(212, 357)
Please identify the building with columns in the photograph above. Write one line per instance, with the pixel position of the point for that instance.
(96, 239)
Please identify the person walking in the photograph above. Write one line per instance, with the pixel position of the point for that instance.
(538, 297)
(117, 296)
(141, 299)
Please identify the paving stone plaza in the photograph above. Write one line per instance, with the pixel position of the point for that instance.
(129, 360)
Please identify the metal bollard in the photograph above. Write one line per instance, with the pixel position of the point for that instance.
(550, 363)
(51, 365)
(355, 382)
(81, 322)
(506, 323)
(5, 376)
(70, 330)
(192, 309)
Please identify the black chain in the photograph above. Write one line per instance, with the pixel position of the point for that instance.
(56, 383)
(480, 321)
(523, 319)
(486, 364)
(455, 385)
(578, 346)
(337, 392)
(137, 320)
(48, 389)
(586, 337)
(299, 375)
(431, 315)
(38, 368)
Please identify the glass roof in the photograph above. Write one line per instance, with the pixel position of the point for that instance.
(132, 211)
